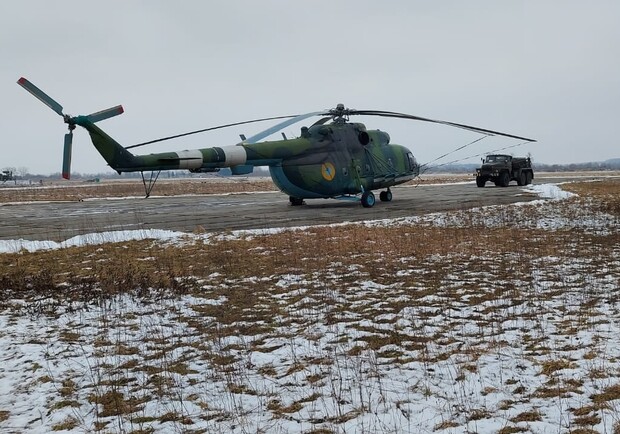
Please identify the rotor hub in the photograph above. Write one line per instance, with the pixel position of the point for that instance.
(340, 114)
(70, 121)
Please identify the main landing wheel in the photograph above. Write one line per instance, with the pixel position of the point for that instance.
(296, 201)
(368, 199)
(385, 196)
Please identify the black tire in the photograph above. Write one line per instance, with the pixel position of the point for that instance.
(504, 179)
(528, 178)
(385, 196)
(522, 179)
(368, 199)
(296, 201)
(480, 181)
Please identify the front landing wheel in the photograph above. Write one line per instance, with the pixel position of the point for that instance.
(368, 199)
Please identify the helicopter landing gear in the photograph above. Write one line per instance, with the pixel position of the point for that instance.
(385, 196)
(368, 199)
(296, 201)
(148, 186)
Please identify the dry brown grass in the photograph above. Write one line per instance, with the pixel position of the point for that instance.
(89, 273)
(62, 190)
(604, 194)
(79, 190)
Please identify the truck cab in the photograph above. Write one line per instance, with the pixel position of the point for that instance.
(502, 168)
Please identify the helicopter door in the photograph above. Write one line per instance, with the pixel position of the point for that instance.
(362, 173)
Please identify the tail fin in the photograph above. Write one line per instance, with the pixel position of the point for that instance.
(117, 157)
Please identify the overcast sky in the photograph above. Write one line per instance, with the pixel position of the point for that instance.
(549, 70)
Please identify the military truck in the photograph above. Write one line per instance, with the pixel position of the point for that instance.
(6, 175)
(501, 169)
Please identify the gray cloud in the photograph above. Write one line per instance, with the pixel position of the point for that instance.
(547, 70)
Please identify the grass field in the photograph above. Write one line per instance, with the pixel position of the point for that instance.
(81, 190)
(493, 320)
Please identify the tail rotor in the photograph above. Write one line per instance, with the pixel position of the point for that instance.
(69, 120)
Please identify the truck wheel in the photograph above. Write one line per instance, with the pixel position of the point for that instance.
(504, 179)
(522, 179)
(480, 182)
(528, 178)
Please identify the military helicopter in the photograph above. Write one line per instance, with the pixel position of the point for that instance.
(333, 158)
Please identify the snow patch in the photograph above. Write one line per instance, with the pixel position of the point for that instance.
(15, 246)
(549, 191)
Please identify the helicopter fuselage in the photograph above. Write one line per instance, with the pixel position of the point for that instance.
(326, 161)
(343, 159)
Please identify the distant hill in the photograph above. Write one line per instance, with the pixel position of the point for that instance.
(611, 164)
(451, 168)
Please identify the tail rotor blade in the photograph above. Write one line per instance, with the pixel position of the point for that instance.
(66, 158)
(40, 95)
(105, 114)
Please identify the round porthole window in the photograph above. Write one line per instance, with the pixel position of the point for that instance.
(363, 137)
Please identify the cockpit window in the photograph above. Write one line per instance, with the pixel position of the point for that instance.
(412, 162)
(496, 159)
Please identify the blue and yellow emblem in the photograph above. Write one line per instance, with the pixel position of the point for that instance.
(328, 171)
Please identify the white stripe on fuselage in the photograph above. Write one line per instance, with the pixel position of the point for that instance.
(235, 155)
(190, 159)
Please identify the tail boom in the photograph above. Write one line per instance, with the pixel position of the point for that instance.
(242, 156)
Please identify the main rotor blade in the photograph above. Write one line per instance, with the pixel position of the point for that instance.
(105, 114)
(269, 131)
(40, 95)
(322, 120)
(210, 129)
(66, 157)
(452, 124)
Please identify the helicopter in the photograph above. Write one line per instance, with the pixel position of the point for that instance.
(333, 158)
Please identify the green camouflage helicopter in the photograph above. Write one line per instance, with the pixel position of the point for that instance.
(333, 158)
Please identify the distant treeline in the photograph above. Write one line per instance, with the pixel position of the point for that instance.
(612, 164)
